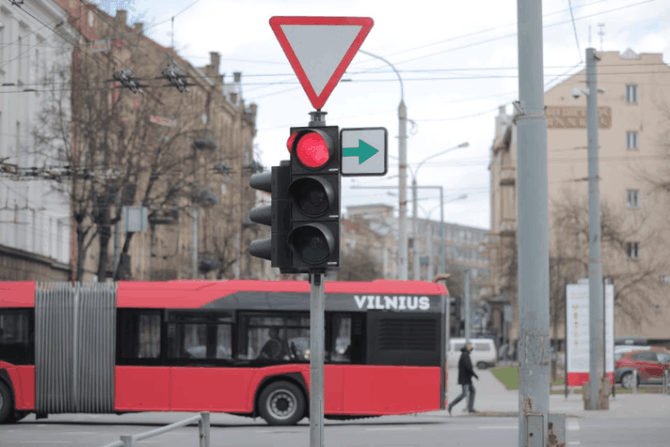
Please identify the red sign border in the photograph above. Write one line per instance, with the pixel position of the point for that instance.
(318, 102)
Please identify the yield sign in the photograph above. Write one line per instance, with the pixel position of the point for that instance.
(320, 49)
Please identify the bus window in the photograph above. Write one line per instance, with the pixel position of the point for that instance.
(187, 341)
(139, 333)
(341, 339)
(199, 341)
(16, 345)
(274, 338)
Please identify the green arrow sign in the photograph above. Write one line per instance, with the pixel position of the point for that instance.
(364, 151)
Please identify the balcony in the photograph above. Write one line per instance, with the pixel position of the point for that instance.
(164, 216)
(507, 227)
(507, 176)
(204, 140)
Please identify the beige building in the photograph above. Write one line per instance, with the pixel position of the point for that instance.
(634, 118)
(195, 184)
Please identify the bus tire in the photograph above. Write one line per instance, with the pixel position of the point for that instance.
(6, 404)
(281, 403)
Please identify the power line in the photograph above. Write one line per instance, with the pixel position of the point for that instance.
(515, 34)
(574, 28)
(484, 31)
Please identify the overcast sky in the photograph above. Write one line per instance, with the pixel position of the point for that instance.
(457, 61)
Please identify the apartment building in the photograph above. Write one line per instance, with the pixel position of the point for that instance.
(176, 152)
(34, 214)
(461, 245)
(633, 121)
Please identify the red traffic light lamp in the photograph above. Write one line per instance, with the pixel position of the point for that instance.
(314, 194)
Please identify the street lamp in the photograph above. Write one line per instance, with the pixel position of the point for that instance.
(402, 153)
(443, 249)
(415, 172)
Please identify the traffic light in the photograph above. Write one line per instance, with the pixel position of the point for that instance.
(314, 198)
(277, 215)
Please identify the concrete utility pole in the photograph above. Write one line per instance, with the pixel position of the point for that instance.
(466, 299)
(402, 206)
(533, 230)
(596, 311)
(402, 177)
(415, 232)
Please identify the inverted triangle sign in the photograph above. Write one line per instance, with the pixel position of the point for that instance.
(320, 49)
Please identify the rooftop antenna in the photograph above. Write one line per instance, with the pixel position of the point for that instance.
(601, 33)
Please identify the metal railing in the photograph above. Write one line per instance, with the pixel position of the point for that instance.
(203, 432)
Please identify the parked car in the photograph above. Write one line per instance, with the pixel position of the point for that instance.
(483, 355)
(621, 350)
(649, 364)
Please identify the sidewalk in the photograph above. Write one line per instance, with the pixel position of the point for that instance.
(493, 399)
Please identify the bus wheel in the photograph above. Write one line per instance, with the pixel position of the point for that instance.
(5, 404)
(281, 403)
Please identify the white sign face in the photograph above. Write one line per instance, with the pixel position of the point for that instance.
(320, 49)
(577, 302)
(364, 151)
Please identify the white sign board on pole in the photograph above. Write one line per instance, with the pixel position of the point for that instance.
(578, 339)
(364, 151)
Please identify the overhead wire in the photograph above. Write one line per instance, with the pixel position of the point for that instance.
(574, 28)
(515, 34)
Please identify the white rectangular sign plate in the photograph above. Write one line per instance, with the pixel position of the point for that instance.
(364, 151)
(577, 302)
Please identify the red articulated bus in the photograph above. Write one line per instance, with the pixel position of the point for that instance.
(239, 347)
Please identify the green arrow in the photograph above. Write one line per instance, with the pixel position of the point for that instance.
(364, 151)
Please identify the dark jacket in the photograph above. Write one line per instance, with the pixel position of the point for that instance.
(465, 371)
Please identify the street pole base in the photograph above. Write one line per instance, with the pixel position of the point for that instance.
(603, 402)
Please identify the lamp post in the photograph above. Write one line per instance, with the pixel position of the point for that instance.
(402, 183)
(443, 202)
(415, 250)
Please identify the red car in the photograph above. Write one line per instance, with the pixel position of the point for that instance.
(649, 364)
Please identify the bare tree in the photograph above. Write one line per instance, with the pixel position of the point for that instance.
(359, 264)
(636, 280)
(115, 156)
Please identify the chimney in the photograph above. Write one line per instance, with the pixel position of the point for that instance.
(237, 76)
(121, 16)
(139, 27)
(215, 61)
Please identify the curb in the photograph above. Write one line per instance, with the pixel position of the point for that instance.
(496, 414)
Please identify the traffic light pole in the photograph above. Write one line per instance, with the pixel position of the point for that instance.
(316, 359)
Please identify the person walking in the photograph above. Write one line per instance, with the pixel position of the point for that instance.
(465, 374)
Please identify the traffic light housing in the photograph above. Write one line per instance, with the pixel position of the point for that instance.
(277, 215)
(314, 197)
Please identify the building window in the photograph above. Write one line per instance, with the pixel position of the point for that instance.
(633, 249)
(631, 140)
(631, 94)
(633, 198)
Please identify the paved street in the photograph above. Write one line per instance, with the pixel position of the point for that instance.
(424, 430)
(640, 421)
